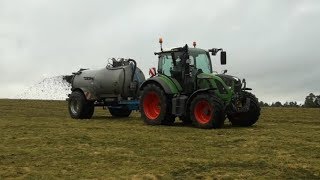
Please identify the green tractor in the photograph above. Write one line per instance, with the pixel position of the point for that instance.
(186, 87)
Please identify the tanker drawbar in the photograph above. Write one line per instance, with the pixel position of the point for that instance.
(116, 86)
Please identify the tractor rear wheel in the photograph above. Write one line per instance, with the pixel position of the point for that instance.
(154, 106)
(120, 112)
(79, 107)
(246, 118)
(206, 111)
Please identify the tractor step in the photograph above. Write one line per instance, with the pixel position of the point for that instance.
(179, 105)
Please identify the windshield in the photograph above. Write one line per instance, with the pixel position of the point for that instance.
(200, 59)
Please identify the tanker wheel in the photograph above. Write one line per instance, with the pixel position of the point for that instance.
(206, 111)
(154, 106)
(120, 112)
(246, 118)
(89, 110)
(79, 107)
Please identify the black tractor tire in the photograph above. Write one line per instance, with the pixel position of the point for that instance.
(249, 118)
(120, 112)
(155, 107)
(89, 110)
(207, 111)
(79, 107)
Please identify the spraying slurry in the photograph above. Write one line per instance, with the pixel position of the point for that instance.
(52, 88)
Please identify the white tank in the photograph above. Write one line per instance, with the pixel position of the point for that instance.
(121, 79)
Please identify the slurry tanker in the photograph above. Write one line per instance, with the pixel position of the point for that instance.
(115, 86)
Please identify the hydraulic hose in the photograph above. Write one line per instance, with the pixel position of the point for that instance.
(134, 68)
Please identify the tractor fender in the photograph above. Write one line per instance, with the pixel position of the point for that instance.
(161, 83)
(88, 94)
(199, 91)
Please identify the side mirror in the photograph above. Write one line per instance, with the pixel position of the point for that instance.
(223, 57)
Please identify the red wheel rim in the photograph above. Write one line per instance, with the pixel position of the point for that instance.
(151, 105)
(203, 112)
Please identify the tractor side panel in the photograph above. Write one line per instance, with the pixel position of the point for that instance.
(208, 81)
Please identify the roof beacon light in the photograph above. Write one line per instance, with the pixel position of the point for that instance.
(160, 41)
(194, 44)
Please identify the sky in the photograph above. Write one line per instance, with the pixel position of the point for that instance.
(273, 44)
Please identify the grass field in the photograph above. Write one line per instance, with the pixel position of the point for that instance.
(38, 140)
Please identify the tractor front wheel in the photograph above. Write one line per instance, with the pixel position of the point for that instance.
(246, 118)
(154, 106)
(206, 111)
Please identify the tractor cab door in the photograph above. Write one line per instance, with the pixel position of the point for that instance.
(171, 65)
(176, 65)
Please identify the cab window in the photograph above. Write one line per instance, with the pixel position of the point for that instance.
(165, 64)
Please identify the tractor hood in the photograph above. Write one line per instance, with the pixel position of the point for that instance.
(227, 79)
(231, 81)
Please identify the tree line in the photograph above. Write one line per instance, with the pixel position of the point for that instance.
(311, 101)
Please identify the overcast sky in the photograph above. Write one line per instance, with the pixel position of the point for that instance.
(274, 44)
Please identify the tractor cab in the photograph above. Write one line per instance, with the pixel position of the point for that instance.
(172, 63)
(184, 64)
